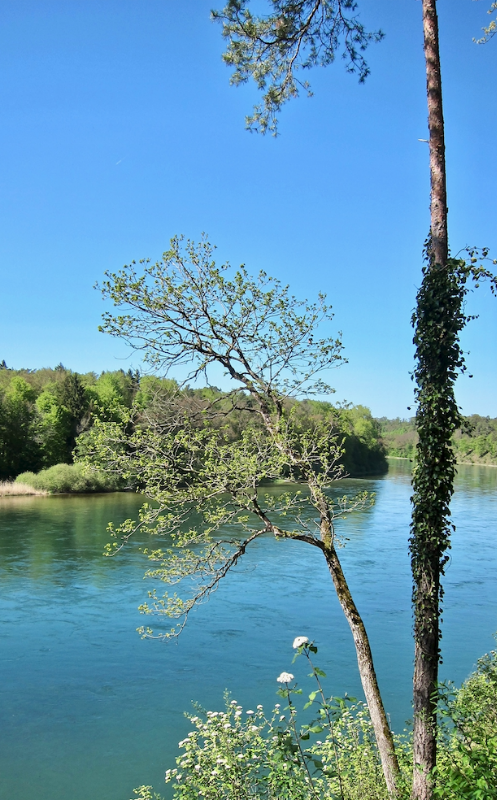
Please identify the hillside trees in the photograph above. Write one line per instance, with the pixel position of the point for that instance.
(271, 49)
(19, 449)
(205, 482)
(43, 412)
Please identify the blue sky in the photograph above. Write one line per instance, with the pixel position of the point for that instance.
(120, 129)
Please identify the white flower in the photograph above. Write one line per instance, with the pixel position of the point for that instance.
(254, 728)
(238, 713)
(197, 767)
(285, 677)
(259, 708)
(299, 641)
(277, 705)
(249, 713)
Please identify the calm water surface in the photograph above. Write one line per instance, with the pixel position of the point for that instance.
(88, 710)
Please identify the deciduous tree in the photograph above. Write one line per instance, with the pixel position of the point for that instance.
(185, 310)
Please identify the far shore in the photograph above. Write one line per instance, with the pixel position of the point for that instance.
(13, 489)
(465, 463)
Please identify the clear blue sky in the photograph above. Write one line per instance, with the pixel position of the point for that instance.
(120, 130)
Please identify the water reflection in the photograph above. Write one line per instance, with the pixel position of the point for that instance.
(90, 710)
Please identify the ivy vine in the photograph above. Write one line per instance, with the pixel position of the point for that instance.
(438, 321)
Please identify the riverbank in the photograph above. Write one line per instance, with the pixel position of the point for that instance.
(13, 489)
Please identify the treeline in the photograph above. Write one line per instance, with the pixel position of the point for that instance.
(475, 442)
(46, 413)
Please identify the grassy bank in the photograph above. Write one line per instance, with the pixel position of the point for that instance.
(15, 489)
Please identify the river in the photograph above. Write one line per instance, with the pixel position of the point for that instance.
(88, 710)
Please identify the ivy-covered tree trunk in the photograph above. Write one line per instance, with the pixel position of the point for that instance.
(437, 322)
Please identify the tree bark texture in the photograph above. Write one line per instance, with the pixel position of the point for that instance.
(438, 208)
(383, 734)
(427, 581)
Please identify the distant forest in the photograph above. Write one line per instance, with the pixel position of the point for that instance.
(45, 414)
(475, 442)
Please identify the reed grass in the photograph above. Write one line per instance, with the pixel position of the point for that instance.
(11, 488)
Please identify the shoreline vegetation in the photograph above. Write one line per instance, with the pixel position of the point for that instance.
(15, 489)
(474, 443)
(47, 414)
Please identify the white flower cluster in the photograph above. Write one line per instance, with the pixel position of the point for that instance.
(285, 677)
(299, 641)
(234, 751)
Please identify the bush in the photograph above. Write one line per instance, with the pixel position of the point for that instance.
(467, 766)
(70, 478)
(248, 755)
(243, 755)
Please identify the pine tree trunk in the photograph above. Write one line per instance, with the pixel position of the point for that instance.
(438, 207)
(429, 535)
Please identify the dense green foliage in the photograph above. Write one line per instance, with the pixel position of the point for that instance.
(467, 765)
(44, 413)
(242, 754)
(70, 478)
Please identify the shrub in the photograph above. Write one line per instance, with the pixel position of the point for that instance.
(248, 755)
(467, 766)
(242, 755)
(70, 478)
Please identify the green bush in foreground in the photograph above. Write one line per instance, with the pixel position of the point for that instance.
(242, 755)
(70, 478)
(467, 764)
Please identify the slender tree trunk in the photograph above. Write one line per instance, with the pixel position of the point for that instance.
(382, 731)
(429, 536)
(438, 207)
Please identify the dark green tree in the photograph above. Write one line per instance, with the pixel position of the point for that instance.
(19, 447)
(73, 399)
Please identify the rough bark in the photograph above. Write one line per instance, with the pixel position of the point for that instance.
(427, 581)
(383, 734)
(438, 207)
(381, 727)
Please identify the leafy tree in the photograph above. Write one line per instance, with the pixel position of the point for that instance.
(271, 49)
(19, 449)
(491, 28)
(185, 310)
(111, 392)
(53, 428)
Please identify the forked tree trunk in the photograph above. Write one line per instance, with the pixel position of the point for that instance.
(382, 731)
(429, 548)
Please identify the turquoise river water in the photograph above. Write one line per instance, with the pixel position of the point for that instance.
(88, 710)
